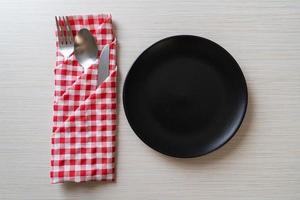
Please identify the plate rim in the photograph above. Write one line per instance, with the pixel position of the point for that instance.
(240, 121)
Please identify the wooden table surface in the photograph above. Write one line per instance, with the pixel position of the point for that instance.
(261, 162)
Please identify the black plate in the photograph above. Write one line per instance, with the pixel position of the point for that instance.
(185, 96)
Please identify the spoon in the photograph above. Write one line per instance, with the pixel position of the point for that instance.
(86, 49)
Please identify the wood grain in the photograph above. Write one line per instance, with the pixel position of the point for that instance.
(261, 162)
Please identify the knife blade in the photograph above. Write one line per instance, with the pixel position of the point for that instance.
(103, 68)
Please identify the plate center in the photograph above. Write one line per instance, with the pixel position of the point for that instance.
(187, 90)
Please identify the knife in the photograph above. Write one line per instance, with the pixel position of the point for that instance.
(103, 68)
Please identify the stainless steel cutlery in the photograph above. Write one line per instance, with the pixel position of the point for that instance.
(86, 49)
(83, 46)
(103, 68)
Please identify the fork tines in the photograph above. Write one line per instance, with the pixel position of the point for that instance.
(65, 35)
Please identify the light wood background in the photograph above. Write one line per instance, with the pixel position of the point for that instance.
(261, 162)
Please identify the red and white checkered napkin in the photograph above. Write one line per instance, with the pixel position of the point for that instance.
(83, 139)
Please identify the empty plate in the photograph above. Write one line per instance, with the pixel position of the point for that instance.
(185, 96)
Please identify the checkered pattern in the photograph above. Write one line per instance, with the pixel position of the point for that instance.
(83, 138)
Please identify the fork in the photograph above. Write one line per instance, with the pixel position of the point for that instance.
(65, 36)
